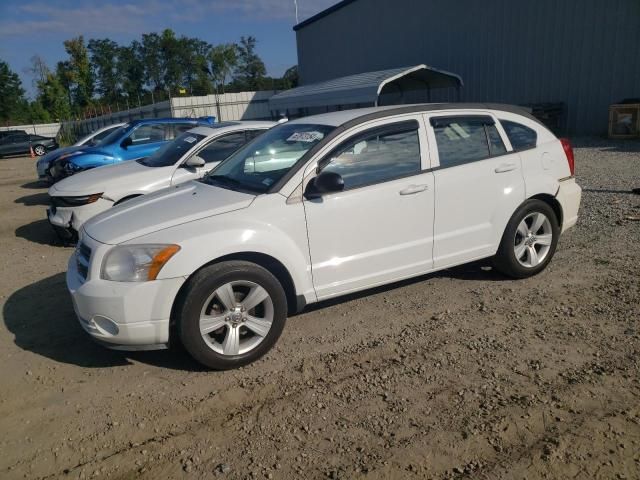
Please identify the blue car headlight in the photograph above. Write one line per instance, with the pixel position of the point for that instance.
(71, 167)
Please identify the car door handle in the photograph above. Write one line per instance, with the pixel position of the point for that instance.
(411, 189)
(505, 167)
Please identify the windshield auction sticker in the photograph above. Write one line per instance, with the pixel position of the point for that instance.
(306, 137)
(190, 139)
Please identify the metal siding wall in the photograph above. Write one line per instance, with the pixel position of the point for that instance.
(585, 53)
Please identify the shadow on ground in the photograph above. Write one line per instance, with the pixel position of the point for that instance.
(42, 320)
(37, 185)
(34, 200)
(39, 232)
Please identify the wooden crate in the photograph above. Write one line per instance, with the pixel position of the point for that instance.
(624, 121)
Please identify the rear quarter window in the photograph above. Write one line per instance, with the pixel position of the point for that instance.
(520, 136)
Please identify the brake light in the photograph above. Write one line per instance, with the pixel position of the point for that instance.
(568, 151)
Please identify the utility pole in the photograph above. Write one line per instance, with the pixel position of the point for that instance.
(295, 2)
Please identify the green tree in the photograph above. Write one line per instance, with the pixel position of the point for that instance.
(223, 59)
(79, 72)
(54, 98)
(250, 70)
(104, 60)
(65, 77)
(152, 60)
(131, 68)
(172, 66)
(38, 114)
(194, 53)
(13, 105)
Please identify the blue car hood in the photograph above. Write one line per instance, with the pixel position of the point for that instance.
(57, 153)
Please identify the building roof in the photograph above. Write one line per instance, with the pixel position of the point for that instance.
(363, 87)
(322, 14)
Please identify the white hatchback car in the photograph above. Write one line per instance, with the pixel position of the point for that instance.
(316, 208)
(77, 198)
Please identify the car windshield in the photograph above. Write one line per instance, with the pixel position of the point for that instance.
(114, 135)
(172, 152)
(265, 160)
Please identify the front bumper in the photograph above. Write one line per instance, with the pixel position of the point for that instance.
(41, 168)
(123, 315)
(74, 217)
(569, 195)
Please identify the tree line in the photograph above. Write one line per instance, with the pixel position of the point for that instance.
(101, 75)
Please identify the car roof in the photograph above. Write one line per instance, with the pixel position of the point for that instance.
(222, 127)
(360, 115)
(168, 120)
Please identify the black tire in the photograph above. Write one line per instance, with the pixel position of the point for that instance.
(43, 150)
(505, 259)
(198, 290)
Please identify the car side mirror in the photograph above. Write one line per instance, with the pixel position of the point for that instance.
(127, 142)
(194, 162)
(325, 182)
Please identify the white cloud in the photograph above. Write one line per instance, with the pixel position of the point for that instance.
(104, 18)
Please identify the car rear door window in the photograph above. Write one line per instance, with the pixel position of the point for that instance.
(222, 148)
(496, 145)
(466, 139)
(521, 137)
(377, 155)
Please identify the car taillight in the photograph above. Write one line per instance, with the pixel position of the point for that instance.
(568, 151)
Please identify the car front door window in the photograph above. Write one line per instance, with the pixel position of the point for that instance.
(377, 156)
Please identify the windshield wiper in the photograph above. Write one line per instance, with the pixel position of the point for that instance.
(224, 179)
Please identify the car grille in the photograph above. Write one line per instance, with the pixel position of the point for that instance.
(83, 257)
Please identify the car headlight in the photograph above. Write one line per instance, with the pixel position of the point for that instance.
(71, 167)
(76, 201)
(136, 263)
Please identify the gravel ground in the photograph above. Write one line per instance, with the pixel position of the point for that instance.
(461, 374)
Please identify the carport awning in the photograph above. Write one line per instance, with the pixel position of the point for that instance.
(363, 88)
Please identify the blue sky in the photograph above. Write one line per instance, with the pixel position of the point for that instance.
(39, 27)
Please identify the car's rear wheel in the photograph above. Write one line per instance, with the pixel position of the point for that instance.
(39, 150)
(529, 241)
(231, 314)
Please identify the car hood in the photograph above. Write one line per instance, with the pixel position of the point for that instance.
(91, 151)
(110, 177)
(163, 209)
(57, 153)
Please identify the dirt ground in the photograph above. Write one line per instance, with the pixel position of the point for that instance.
(461, 374)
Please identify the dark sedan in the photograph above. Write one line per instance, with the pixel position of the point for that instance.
(6, 133)
(18, 143)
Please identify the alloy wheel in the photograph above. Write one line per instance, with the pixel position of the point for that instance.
(236, 317)
(39, 150)
(533, 239)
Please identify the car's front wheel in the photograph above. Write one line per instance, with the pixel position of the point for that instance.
(529, 241)
(231, 314)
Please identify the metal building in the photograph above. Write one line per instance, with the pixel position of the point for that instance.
(583, 53)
